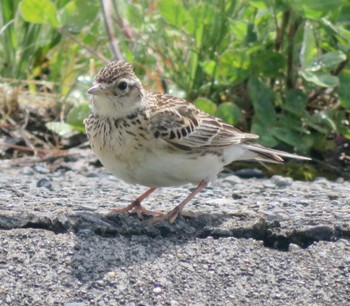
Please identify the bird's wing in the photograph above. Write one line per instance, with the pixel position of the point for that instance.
(184, 126)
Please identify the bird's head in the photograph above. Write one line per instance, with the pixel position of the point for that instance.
(117, 91)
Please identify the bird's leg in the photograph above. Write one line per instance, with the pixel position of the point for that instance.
(135, 206)
(174, 213)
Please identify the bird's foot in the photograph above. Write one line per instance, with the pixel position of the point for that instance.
(171, 216)
(136, 207)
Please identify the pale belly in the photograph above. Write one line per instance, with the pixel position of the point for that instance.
(155, 168)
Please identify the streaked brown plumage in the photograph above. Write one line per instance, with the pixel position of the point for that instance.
(159, 140)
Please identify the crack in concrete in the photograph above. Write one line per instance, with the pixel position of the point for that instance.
(213, 225)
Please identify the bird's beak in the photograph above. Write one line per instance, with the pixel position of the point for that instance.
(96, 90)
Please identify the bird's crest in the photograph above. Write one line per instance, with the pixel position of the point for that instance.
(113, 71)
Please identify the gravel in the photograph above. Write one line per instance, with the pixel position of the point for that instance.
(255, 241)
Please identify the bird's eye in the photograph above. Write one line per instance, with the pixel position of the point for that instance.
(122, 85)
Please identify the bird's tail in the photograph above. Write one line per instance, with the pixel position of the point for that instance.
(271, 155)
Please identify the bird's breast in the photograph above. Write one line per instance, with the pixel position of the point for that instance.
(119, 144)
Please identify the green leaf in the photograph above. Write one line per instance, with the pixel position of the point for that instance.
(266, 136)
(206, 105)
(193, 65)
(323, 144)
(197, 20)
(229, 112)
(209, 67)
(173, 12)
(260, 4)
(238, 28)
(237, 59)
(314, 9)
(344, 89)
(322, 79)
(322, 122)
(74, 19)
(346, 134)
(337, 28)
(269, 63)
(295, 122)
(60, 128)
(308, 48)
(326, 61)
(251, 36)
(233, 65)
(39, 11)
(135, 14)
(262, 98)
(77, 115)
(295, 102)
(340, 119)
(301, 142)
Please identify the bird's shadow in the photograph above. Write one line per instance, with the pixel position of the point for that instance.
(106, 241)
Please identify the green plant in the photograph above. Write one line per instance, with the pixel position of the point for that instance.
(42, 40)
(277, 67)
(283, 63)
(24, 45)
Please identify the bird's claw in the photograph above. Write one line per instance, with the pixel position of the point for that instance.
(136, 208)
(171, 216)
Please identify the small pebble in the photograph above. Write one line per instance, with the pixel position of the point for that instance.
(281, 181)
(41, 169)
(333, 196)
(293, 247)
(269, 185)
(249, 173)
(44, 182)
(92, 174)
(232, 179)
(157, 290)
(111, 274)
(27, 171)
(340, 180)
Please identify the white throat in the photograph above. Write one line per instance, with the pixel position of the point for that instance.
(110, 106)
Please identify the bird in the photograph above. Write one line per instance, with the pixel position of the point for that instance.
(158, 140)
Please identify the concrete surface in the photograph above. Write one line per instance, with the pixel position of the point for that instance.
(255, 241)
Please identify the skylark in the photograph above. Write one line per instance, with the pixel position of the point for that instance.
(158, 140)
